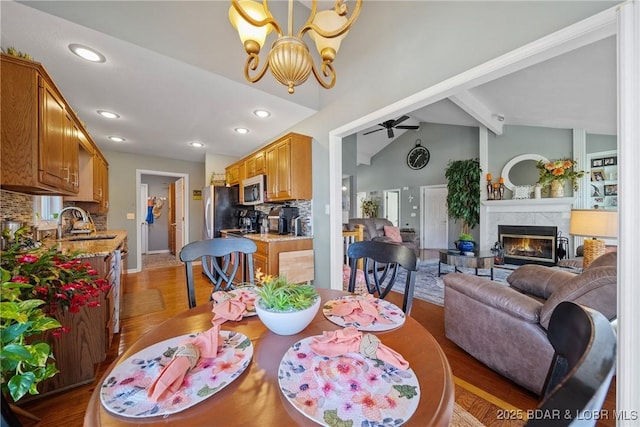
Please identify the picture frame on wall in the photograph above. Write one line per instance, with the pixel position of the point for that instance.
(611, 190)
(596, 163)
(610, 161)
(597, 175)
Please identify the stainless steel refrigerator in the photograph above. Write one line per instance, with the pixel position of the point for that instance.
(220, 210)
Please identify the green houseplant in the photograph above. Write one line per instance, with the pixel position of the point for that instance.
(370, 208)
(463, 194)
(285, 308)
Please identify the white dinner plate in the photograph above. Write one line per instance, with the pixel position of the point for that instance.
(347, 390)
(389, 311)
(124, 391)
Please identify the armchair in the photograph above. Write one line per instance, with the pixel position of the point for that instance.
(505, 327)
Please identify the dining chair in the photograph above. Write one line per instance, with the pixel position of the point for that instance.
(222, 260)
(382, 261)
(582, 367)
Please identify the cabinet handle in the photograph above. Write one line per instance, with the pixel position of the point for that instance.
(68, 178)
(76, 181)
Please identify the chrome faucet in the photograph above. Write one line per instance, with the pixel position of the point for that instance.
(82, 212)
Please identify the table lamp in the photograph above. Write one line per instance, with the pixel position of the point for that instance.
(593, 223)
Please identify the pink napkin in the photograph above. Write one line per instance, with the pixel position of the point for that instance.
(350, 340)
(230, 309)
(361, 310)
(184, 359)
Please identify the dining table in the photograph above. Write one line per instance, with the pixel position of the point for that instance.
(254, 398)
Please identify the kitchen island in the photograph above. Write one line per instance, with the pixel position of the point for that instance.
(280, 254)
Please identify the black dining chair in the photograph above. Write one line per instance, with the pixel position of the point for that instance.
(582, 367)
(382, 261)
(221, 258)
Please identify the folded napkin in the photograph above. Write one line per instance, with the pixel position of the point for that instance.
(360, 310)
(184, 359)
(229, 309)
(350, 340)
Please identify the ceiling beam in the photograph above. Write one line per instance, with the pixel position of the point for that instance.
(478, 110)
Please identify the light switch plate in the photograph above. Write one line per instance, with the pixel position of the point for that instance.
(131, 215)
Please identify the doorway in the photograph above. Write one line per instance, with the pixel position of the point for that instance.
(434, 220)
(156, 229)
(392, 206)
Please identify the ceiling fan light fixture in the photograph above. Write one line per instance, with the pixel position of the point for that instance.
(87, 53)
(289, 59)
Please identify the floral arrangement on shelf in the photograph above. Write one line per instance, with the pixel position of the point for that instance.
(559, 170)
(370, 208)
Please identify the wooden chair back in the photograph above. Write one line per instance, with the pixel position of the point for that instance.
(580, 374)
(349, 237)
(222, 259)
(382, 262)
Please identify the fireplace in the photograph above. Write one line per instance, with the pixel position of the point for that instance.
(528, 244)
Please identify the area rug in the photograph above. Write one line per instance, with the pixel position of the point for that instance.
(475, 407)
(159, 260)
(429, 287)
(141, 302)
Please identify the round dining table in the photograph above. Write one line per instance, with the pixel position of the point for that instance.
(255, 398)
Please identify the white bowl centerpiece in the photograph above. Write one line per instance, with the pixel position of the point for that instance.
(285, 308)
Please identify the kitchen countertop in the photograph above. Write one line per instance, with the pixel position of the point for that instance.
(268, 237)
(89, 247)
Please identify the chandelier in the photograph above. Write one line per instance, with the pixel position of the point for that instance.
(289, 59)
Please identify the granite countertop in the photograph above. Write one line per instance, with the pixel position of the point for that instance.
(268, 237)
(88, 245)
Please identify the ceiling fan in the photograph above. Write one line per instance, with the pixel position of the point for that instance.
(389, 125)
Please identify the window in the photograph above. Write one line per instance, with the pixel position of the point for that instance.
(47, 207)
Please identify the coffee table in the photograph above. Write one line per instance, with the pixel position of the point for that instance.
(455, 259)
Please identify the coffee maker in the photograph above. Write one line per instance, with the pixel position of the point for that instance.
(248, 220)
(280, 219)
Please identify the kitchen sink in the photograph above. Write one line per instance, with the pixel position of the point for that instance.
(98, 237)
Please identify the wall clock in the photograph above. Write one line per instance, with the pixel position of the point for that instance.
(418, 156)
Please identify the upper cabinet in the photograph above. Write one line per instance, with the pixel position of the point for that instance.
(288, 168)
(234, 173)
(254, 165)
(45, 148)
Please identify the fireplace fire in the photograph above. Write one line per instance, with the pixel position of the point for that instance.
(528, 244)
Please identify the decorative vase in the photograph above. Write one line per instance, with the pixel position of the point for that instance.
(287, 322)
(465, 245)
(557, 188)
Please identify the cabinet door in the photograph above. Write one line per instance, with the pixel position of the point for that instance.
(261, 262)
(284, 169)
(271, 164)
(53, 125)
(70, 156)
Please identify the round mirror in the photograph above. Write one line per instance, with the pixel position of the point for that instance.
(521, 170)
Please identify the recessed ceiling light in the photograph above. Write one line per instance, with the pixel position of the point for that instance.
(262, 113)
(242, 131)
(196, 144)
(108, 114)
(117, 139)
(87, 53)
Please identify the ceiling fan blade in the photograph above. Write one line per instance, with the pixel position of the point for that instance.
(390, 132)
(400, 120)
(372, 131)
(408, 127)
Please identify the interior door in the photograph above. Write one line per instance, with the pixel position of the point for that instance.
(179, 212)
(434, 221)
(392, 206)
(142, 214)
(172, 218)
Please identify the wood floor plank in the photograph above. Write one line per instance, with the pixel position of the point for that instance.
(67, 409)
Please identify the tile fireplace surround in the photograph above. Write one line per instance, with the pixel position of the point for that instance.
(546, 211)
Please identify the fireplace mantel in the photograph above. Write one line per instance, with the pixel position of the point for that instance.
(559, 204)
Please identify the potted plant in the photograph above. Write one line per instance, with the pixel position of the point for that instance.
(370, 208)
(463, 196)
(554, 173)
(285, 308)
(465, 242)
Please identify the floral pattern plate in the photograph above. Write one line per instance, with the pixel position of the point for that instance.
(389, 311)
(124, 391)
(245, 294)
(347, 390)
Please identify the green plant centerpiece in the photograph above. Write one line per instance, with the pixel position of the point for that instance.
(463, 197)
(370, 208)
(285, 308)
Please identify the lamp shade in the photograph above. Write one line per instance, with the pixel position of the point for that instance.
(594, 223)
(329, 21)
(244, 28)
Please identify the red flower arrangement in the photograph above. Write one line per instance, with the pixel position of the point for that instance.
(63, 282)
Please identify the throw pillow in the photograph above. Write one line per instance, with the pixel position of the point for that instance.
(393, 233)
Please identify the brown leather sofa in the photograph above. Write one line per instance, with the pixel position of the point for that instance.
(374, 230)
(505, 327)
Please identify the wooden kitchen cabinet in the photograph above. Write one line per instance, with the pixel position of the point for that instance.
(234, 173)
(288, 168)
(93, 176)
(39, 151)
(254, 165)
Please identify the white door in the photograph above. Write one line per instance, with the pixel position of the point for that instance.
(144, 227)
(392, 206)
(434, 220)
(179, 198)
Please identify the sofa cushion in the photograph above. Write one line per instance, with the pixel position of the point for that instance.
(538, 280)
(392, 233)
(594, 287)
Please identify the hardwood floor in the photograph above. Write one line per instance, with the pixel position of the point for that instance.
(67, 408)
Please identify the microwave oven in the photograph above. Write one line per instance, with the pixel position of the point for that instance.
(253, 190)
